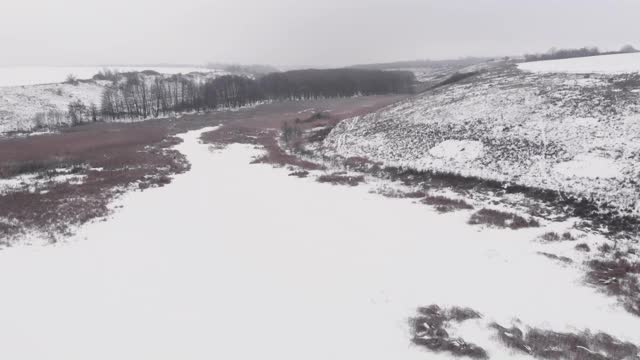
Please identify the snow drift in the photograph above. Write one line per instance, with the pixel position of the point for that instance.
(602, 64)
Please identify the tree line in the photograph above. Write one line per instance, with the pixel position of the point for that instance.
(554, 54)
(137, 96)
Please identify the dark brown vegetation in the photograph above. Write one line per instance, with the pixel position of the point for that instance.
(444, 204)
(583, 247)
(300, 174)
(555, 345)
(428, 331)
(341, 179)
(263, 126)
(554, 237)
(501, 219)
(618, 277)
(563, 259)
(399, 194)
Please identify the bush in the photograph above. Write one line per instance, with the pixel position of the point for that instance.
(550, 236)
(71, 79)
(445, 204)
(340, 179)
(501, 219)
(291, 135)
(428, 330)
(555, 345)
(583, 247)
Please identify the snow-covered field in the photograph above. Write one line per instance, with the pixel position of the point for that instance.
(206, 268)
(21, 105)
(24, 106)
(575, 133)
(33, 75)
(604, 64)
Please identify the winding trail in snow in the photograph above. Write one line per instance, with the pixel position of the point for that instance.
(240, 261)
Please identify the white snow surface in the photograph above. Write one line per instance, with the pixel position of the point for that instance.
(459, 150)
(238, 261)
(589, 166)
(603, 64)
(34, 75)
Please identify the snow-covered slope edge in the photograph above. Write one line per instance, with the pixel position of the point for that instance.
(603, 64)
(575, 133)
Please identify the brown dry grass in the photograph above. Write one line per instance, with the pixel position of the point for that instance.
(444, 204)
(501, 219)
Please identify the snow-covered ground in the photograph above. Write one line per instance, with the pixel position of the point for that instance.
(239, 261)
(20, 106)
(33, 75)
(604, 64)
(575, 133)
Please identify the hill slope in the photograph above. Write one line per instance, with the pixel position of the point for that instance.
(575, 133)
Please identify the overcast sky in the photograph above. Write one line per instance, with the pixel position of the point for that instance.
(302, 32)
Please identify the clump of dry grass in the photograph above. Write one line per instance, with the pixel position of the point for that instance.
(501, 219)
(563, 259)
(583, 247)
(300, 173)
(444, 204)
(341, 179)
(555, 345)
(618, 277)
(428, 330)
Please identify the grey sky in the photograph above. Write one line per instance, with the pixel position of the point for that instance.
(309, 32)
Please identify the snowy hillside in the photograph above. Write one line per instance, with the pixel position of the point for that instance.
(604, 64)
(22, 106)
(575, 133)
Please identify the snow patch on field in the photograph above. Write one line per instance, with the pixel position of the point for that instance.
(230, 250)
(603, 64)
(588, 166)
(457, 150)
